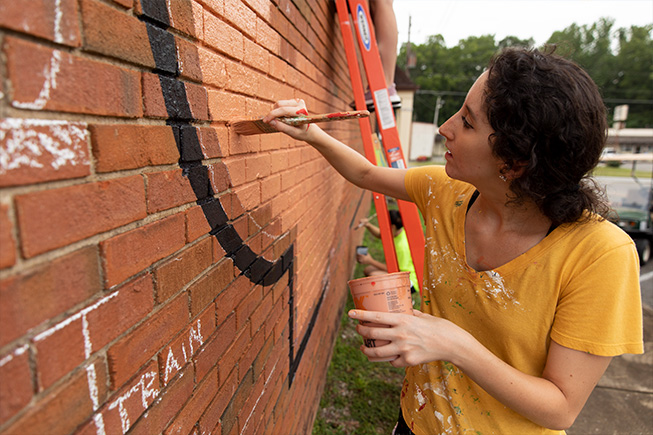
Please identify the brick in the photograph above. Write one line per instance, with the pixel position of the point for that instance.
(118, 147)
(66, 345)
(188, 59)
(231, 356)
(242, 17)
(36, 151)
(43, 292)
(207, 358)
(16, 381)
(219, 177)
(188, 18)
(270, 187)
(211, 140)
(256, 57)
(212, 66)
(243, 79)
(258, 167)
(211, 417)
(249, 195)
(188, 100)
(178, 271)
(60, 352)
(131, 352)
(167, 405)
(171, 189)
(195, 406)
(77, 212)
(230, 416)
(35, 70)
(246, 416)
(230, 297)
(7, 242)
(247, 306)
(236, 170)
(114, 33)
(223, 37)
(72, 400)
(255, 346)
(181, 351)
(267, 37)
(129, 253)
(204, 291)
(196, 224)
(53, 20)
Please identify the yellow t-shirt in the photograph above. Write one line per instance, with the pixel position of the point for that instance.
(579, 287)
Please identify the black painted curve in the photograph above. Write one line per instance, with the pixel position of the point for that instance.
(256, 268)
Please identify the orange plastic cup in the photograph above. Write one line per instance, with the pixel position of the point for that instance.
(389, 293)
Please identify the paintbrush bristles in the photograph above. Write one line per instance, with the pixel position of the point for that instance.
(247, 128)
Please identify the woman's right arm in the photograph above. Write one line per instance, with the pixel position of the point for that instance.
(349, 163)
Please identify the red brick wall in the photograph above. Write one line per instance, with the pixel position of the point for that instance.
(158, 272)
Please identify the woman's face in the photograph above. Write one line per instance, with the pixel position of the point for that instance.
(469, 156)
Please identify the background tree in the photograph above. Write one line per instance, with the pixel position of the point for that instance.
(620, 62)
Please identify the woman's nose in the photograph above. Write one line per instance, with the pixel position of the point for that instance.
(444, 129)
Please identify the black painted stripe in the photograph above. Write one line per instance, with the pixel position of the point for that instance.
(256, 268)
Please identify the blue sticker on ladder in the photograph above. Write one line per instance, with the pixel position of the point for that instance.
(363, 27)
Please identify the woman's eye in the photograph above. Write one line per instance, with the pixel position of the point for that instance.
(465, 123)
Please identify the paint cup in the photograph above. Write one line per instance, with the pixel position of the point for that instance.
(389, 293)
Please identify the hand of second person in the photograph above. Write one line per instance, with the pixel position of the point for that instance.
(416, 339)
(290, 108)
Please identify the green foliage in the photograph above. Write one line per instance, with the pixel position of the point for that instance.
(620, 61)
(360, 397)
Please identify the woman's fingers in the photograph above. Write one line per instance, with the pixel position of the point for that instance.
(377, 317)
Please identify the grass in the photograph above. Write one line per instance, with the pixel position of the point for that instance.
(360, 397)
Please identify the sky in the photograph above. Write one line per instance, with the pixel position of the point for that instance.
(459, 19)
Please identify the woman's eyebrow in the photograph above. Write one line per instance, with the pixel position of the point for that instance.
(470, 112)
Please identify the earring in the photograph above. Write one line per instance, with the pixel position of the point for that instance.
(503, 177)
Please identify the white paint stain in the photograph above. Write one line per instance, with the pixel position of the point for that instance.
(25, 144)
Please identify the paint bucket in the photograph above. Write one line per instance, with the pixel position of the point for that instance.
(389, 293)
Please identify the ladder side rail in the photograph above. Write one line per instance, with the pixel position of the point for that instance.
(387, 125)
(366, 132)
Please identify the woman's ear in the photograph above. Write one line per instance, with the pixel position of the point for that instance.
(514, 171)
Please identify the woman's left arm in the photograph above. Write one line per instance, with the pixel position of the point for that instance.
(553, 400)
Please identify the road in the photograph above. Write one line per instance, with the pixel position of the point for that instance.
(620, 188)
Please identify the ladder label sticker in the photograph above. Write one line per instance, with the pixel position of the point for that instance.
(384, 106)
(396, 160)
(363, 27)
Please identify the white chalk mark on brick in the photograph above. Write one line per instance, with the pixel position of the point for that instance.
(144, 385)
(50, 71)
(19, 351)
(25, 143)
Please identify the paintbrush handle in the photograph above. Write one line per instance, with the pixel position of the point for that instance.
(310, 119)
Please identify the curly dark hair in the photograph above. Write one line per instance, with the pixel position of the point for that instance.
(548, 116)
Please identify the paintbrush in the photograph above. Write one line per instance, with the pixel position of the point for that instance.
(257, 126)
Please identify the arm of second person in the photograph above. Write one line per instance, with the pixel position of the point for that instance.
(348, 162)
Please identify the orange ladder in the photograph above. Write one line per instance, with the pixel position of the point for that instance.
(366, 38)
